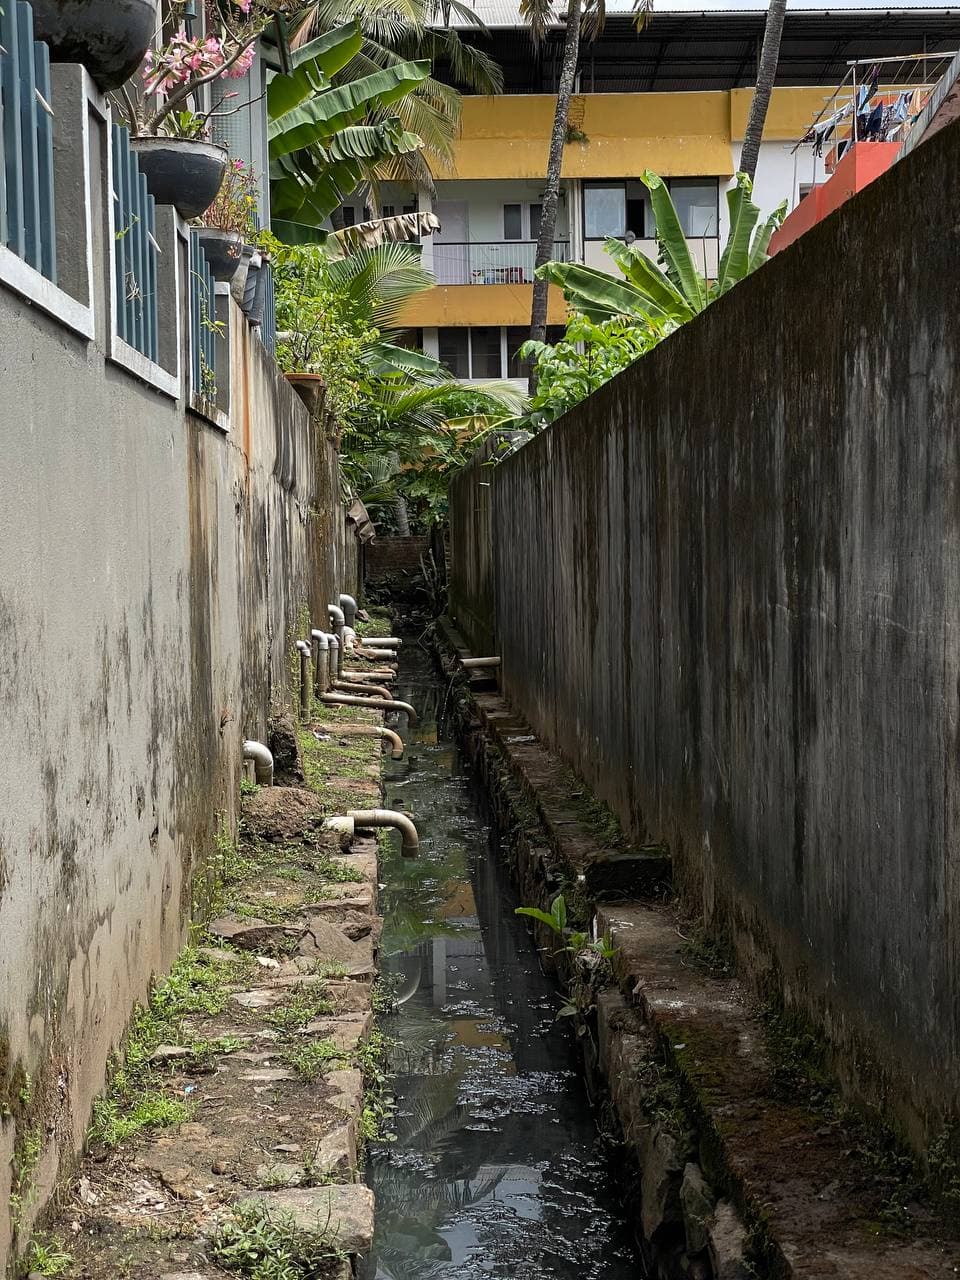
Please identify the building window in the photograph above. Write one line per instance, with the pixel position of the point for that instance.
(696, 202)
(454, 351)
(486, 356)
(349, 216)
(536, 214)
(388, 211)
(513, 222)
(605, 210)
(616, 208)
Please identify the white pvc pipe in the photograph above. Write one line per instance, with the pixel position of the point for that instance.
(389, 818)
(349, 607)
(377, 654)
(478, 664)
(321, 666)
(343, 826)
(382, 642)
(373, 704)
(262, 758)
(396, 742)
(361, 688)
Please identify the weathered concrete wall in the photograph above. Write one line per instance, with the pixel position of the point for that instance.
(728, 589)
(152, 573)
(471, 585)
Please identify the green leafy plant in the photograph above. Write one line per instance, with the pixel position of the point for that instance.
(663, 296)
(306, 1004)
(315, 1059)
(576, 941)
(114, 1120)
(269, 1245)
(47, 1257)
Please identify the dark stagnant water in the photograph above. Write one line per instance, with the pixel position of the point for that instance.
(497, 1170)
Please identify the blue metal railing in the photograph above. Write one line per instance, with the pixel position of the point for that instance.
(27, 225)
(268, 328)
(135, 250)
(203, 323)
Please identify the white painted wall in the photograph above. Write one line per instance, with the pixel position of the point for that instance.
(485, 199)
(779, 177)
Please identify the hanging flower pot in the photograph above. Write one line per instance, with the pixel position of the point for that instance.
(238, 285)
(311, 389)
(184, 172)
(108, 37)
(223, 250)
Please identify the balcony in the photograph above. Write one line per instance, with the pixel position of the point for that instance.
(505, 262)
(705, 251)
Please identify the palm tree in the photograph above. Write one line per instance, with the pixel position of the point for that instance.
(538, 14)
(766, 76)
(396, 31)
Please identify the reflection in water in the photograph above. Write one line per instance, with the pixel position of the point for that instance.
(496, 1171)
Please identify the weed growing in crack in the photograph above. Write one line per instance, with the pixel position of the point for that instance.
(116, 1120)
(271, 1246)
(306, 1004)
(133, 1103)
(48, 1257)
(315, 1059)
(248, 788)
(378, 1106)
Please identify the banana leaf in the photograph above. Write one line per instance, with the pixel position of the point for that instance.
(313, 67)
(735, 260)
(331, 110)
(761, 241)
(673, 244)
(601, 297)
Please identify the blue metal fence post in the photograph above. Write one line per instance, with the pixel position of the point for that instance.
(12, 145)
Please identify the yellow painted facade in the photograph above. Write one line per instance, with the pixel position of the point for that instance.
(471, 305)
(672, 133)
(675, 134)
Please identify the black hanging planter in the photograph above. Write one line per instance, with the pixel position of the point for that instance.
(223, 251)
(184, 172)
(108, 37)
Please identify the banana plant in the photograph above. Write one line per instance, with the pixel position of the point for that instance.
(320, 138)
(667, 294)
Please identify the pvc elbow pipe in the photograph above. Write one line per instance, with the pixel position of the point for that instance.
(305, 655)
(396, 742)
(337, 618)
(372, 704)
(362, 688)
(349, 607)
(321, 666)
(262, 758)
(389, 818)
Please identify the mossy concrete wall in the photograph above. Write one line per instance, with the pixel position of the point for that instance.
(727, 588)
(154, 573)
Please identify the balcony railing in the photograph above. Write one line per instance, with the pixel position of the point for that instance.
(27, 225)
(506, 262)
(135, 250)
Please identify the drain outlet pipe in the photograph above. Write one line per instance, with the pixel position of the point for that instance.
(336, 655)
(396, 742)
(349, 607)
(381, 642)
(305, 654)
(343, 826)
(389, 818)
(372, 704)
(337, 619)
(321, 663)
(262, 758)
(479, 664)
(378, 655)
(361, 688)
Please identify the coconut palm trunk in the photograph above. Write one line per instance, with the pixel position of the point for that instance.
(766, 77)
(551, 195)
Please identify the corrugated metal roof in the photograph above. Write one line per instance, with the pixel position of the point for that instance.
(498, 14)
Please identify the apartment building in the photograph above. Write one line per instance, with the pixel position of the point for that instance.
(673, 98)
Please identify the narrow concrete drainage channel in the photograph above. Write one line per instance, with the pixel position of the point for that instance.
(497, 1169)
